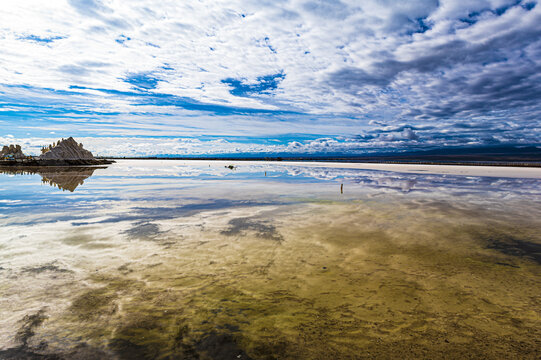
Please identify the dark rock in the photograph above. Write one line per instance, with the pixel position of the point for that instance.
(220, 346)
(13, 151)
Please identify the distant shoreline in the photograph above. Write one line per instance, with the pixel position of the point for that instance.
(506, 170)
(111, 160)
(496, 163)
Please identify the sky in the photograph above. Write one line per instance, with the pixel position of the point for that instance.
(146, 78)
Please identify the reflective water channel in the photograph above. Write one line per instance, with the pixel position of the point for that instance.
(150, 259)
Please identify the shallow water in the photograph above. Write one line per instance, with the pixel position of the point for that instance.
(193, 260)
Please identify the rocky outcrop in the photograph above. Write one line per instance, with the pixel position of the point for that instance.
(66, 152)
(67, 149)
(12, 150)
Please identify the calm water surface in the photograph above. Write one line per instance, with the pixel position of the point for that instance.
(193, 260)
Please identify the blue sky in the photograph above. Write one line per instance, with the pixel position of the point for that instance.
(222, 77)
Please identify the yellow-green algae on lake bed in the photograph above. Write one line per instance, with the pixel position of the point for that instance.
(319, 280)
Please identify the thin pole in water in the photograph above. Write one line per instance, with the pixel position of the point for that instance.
(341, 188)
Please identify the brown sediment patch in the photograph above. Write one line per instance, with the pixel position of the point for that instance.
(21, 352)
(50, 267)
(29, 324)
(259, 228)
(125, 269)
(438, 346)
(510, 245)
(84, 238)
(79, 352)
(94, 303)
(23, 336)
(144, 231)
(218, 346)
(78, 239)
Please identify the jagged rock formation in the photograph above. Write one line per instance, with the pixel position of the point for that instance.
(14, 150)
(66, 152)
(67, 149)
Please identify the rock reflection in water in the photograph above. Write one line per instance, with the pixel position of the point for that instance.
(64, 178)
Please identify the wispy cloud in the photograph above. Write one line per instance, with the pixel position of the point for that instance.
(435, 73)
